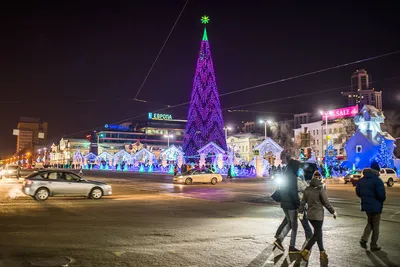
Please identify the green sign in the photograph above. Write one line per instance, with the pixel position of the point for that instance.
(158, 116)
(256, 152)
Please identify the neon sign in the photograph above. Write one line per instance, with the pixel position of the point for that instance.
(158, 116)
(116, 127)
(340, 113)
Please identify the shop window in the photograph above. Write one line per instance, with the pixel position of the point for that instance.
(359, 149)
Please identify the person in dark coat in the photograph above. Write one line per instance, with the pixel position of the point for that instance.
(289, 203)
(371, 190)
(316, 199)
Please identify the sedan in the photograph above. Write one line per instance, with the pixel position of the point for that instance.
(198, 176)
(44, 184)
(353, 178)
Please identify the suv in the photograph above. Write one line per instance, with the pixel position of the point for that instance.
(388, 176)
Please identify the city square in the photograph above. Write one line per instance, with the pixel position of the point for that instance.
(204, 162)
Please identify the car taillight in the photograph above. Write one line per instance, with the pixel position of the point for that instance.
(28, 182)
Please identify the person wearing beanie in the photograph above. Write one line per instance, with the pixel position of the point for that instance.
(316, 199)
(371, 190)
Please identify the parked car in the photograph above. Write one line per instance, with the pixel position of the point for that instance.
(352, 178)
(388, 176)
(198, 176)
(48, 183)
(11, 171)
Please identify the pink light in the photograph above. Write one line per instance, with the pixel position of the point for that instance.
(341, 113)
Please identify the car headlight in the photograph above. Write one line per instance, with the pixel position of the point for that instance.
(108, 186)
(180, 177)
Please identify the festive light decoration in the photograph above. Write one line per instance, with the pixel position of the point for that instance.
(205, 123)
(331, 161)
(384, 157)
(141, 168)
(171, 169)
(205, 19)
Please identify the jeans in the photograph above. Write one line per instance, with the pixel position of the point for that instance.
(317, 236)
(291, 217)
(304, 222)
(372, 226)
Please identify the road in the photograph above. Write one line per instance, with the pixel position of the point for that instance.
(151, 222)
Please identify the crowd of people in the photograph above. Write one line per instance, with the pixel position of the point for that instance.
(305, 201)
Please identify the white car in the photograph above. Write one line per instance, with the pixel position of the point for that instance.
(389, 176)
(198, 176)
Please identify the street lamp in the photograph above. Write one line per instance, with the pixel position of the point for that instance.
(269, 122)
(325, 113)
(226, 128)
(168, 136)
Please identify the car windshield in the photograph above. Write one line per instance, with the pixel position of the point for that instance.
(37, 174)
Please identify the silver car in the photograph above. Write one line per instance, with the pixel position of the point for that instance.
(44, 184)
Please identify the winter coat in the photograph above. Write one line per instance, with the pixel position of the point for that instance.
(288, 189)
(301, 186)
(371, 190)
(316, 199)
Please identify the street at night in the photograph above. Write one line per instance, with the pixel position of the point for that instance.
(151, 222)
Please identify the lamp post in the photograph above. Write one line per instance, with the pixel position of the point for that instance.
(226, 128)
(325, 113)
(168, 136)
(269, 122)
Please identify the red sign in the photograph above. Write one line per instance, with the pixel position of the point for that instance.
(340, 113)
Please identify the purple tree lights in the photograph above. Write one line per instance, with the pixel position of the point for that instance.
(205, 123)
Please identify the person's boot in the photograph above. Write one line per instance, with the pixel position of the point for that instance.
(323, 257)
(375, 247)
(278, 244)
(293, 250)
(363, 244)
(305, 254)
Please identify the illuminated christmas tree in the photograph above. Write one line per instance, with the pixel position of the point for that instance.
(384, 157)
(331, 161)
(205, 123)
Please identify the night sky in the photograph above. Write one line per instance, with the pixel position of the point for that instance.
(78, 65)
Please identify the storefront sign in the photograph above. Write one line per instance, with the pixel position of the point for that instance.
(158, 116)
(340, 113)
(116, 127)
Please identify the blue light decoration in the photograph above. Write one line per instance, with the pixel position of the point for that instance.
(150, 168)
(331, 160)
(141, 169)
(125, 167)
(384, 157)
(205, 123)
(107, 167)
(119, 167)
(101, 167)
(116, 127)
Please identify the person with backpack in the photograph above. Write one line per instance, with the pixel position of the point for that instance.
(316, 199)
(371, 190)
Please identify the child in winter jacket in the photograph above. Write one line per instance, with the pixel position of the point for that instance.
(316, 199)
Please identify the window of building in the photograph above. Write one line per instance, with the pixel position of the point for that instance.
(317, 132)
(313, 132)
(313, 142)
(359, 149)
(330, 131)
(325, 131)
(317, 141)
(335, 130)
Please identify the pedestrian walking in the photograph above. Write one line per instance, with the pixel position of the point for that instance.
(316, 199)
(289, 203)
(301, 187)
(371, 190)
(175, 170)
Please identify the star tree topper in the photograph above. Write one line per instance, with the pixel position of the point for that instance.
(205, 19)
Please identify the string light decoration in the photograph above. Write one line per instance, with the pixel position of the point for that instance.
(384, 157)
(205, 123)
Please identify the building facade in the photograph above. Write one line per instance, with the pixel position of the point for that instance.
(361, 91)
(30, 132)
(243, 144)
(318, 137)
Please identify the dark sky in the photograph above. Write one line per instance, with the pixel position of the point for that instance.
(77, 64)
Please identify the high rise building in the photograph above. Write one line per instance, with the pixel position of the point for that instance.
(361, 92)
(30, 132)
(205, 123)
